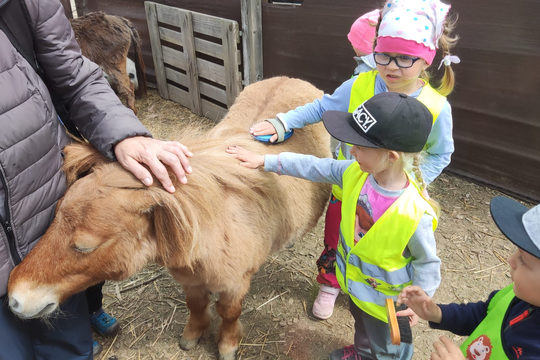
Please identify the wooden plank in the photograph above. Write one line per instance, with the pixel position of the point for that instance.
(212, 111)
(206, 24)
(178, 95)
(202, 23)
(174, 37)
(192, 72)
(157, 54)
(174, 57)
(201, 45)
(211, 71)
(177, 77)
(252, 40)
(230, 63)
(213, 92)
(206, 89)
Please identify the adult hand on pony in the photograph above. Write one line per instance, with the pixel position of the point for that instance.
(247, 158)
(137, 150)
(446, 350)
(264, 128)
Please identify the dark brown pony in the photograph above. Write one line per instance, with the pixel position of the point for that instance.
(212, 234)
(106, 40)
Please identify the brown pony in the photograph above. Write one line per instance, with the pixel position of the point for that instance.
(106, 40)
(212, 234)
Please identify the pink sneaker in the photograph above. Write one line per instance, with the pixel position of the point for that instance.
(323, 307)
(346, 353)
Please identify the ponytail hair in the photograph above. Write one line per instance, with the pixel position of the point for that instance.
(411, 163)
(447, 43)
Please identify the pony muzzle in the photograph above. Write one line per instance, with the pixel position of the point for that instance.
(30, 303)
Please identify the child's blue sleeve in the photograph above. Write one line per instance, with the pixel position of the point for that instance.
(462, 319)
(312, 113)
(307, 167)
(425, 263)
(439, 147)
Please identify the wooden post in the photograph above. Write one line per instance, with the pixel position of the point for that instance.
(157, 53)
(230, 62)
(192, 71)
(252, 40)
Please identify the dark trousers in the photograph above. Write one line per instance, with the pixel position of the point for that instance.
(94, 297)
(65, 337)
(372, 338)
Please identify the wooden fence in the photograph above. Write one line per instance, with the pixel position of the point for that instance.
(196, 58)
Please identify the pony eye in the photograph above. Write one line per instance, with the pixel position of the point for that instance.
(82, 249)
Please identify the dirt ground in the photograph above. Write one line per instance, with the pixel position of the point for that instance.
(277, 318)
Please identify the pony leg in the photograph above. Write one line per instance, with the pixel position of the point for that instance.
(125, 86)
(197, 300)
(229, 307)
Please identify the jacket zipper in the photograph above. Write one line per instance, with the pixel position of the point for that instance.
(530, 312)
(8, 229)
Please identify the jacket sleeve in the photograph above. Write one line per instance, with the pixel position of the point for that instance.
(426, 264)
(94, 107)
(462, 319)
(312, 113)
(439, 146)
(307, 167)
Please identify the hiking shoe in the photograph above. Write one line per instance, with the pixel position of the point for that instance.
(346, 353)
(96, 348)
(323, 307)
(103, 323)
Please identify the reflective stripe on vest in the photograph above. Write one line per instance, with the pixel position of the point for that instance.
(363, 89)
(374, 269)
(486, 338)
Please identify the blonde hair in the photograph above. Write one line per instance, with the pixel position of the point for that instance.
(411, 163)
(446, 43)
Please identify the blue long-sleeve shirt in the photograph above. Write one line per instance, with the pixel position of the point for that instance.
(521, 340)
(440, 143)
(426, 264)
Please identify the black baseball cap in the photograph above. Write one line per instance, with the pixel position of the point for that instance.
(388, 120)
(518, 223)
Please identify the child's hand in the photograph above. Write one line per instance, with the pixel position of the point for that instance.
(413, 317)
(417, 300)
(264, 128)
(247, 158)
(448, 351)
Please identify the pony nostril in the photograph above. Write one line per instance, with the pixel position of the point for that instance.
(13, 304)
(47, 309)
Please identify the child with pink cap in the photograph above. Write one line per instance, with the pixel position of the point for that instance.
(361, 36)
(409, 34)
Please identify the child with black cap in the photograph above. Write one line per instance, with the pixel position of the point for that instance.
(386, 232)
(507, 325)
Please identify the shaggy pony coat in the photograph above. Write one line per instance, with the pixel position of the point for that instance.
(212, 234)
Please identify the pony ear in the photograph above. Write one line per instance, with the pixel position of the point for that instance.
(79, 160)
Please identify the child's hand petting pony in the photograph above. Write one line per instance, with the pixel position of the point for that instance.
(446, 350)
(420, 303)
(247, 158)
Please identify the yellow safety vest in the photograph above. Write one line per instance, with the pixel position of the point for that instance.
(375, 269)
(364, 88)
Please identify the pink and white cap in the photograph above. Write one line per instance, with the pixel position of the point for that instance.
(412, 27)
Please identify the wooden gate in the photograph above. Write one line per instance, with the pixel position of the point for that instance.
(196, 58)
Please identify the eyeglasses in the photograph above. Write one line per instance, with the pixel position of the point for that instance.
(402, 61)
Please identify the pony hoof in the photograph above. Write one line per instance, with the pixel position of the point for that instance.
(231, 356)
(186, 344)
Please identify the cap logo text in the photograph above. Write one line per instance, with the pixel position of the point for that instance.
(363, 118)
